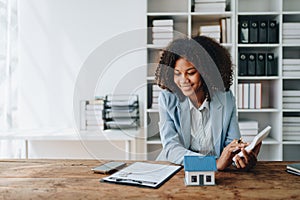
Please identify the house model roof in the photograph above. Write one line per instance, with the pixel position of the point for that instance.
(200, 163)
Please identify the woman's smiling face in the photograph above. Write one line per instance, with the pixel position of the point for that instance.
(187, 77)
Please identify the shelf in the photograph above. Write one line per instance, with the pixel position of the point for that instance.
(270, 140)
(264, 110)
(265, 45)
(210, 16)
(257, 13)
(258, 77)
(167, 14)
(272, 86)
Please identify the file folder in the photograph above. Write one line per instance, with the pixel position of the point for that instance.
(273, 32)
(251, 64)
(253, 33)
(271, 65)
(261, 64)
(262, 32)
(244, 31)
(243, 64)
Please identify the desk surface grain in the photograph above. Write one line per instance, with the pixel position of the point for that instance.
(73, 179)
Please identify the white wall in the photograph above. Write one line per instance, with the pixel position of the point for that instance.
(71, 50)
(60, 39)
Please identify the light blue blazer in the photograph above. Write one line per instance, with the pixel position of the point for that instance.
(175, 124)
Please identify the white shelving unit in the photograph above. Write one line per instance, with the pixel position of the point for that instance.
(187, 22)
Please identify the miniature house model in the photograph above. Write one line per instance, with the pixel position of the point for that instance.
(200, 170)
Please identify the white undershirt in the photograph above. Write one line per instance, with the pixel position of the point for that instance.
(201, 140)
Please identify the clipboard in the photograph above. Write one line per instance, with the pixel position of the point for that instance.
(143, 174)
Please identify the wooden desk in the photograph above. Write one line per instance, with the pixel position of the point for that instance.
(73, 179)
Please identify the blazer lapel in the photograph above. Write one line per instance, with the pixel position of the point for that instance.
(185, 122)
(216, 115)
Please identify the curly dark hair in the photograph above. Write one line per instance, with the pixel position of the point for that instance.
(212, 61)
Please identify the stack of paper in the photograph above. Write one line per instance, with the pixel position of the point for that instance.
(291, 33)
(291, 67)
(210, 5)
(291, 128)
(249, 129)
(291, 99)
(212, 31)
(162, 31)
(91, 114)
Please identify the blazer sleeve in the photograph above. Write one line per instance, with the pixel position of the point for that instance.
(233, 131)
(171, 138)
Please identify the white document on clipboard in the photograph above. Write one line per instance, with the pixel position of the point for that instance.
(143, 174)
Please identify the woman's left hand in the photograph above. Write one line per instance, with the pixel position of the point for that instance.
(249, 160)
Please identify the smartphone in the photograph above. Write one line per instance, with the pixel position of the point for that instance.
(109, 167)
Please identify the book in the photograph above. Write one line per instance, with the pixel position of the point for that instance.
(291, 73)
(291, 137)
(252, 95)
(291, 105)
(262, 32)
(223, 30)
(251, 64)
(246, 95)
(291, 119)
(243, 31)
(249, 132)
(273, 32)
(168, 35)
(164, 41)
(291, 61)
(260, 64)
(248, 124)
(228, 30)
(291, 67)
(143, 174)
(253, 32)
(257, 139)
(258, 96)
(240, 93)
(291, 93)
(293, 168)
(163, 22)
(243, 67)
(271, 68)
(162, 29)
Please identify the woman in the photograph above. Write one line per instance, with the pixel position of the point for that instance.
(197, 109)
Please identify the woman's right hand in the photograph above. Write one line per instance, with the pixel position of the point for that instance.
(228, 153)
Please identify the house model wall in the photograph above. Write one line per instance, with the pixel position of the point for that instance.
(200, 170)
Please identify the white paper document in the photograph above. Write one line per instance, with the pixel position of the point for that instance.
(143, 174)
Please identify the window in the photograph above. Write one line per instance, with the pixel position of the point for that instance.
(208, 178)
(8, 63)
(193, 179)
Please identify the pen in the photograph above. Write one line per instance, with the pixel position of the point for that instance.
(132, 180)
